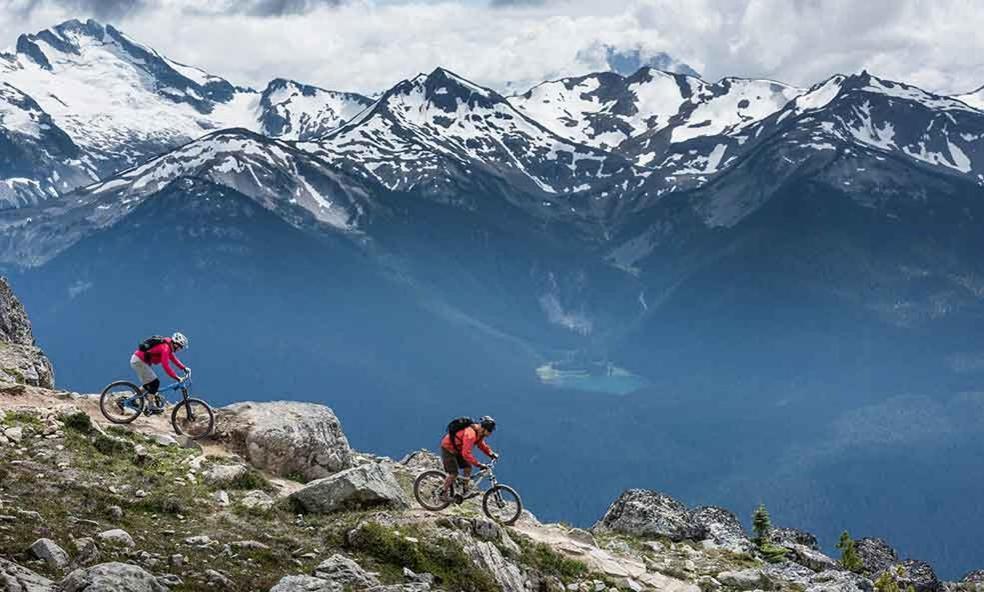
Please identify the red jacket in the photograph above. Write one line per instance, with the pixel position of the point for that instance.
(162, 354)
(465, 440)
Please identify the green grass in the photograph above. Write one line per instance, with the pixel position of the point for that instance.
(425, 553)
(544, 559)
(21, 418)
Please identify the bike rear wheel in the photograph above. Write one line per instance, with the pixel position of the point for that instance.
(428, 487)
(121, 402)
(502, 504)
(193, 418)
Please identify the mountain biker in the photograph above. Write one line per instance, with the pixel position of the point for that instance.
(158, 350)
(457, 453)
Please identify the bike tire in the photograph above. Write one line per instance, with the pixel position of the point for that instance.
(490, 497)
(190, 405)
(104, 402)
(429, 503)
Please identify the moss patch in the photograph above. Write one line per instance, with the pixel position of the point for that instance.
(423, 552)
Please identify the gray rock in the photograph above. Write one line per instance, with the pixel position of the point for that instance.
(722, 527)
(919, 575)
(87, 552)
(303, 584)
(48, 551)
(582, 536)
(164, 439)
(21, 361)
(15, 578)
(747, 579)
(647, 513)
(115, 512)
(111, 577)
(811, 558)
(15, 434)
(286, 438)
(488, 557)
(421, 460)
(221, 498)
(345, 572)
(116, 536)
(360, 487)
(220, 475)
(250, 545)
(198, 541)
(218, 579)
(974, 577)
(875, 554)
(169, 580)
(787, 537)
(256, 499)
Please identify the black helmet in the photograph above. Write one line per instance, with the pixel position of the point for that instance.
(487, 423)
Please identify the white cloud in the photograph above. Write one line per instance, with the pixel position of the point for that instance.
(368, 45)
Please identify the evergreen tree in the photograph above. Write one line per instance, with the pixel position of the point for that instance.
(762, 524)
(849, 555)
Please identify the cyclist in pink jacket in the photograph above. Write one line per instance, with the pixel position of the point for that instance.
(158, 350)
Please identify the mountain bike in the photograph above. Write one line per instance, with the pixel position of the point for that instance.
(500, 502)
(123, 402)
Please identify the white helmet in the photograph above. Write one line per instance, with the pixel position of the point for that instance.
(180, 340)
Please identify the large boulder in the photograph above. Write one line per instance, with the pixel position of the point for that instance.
(20, 579)
(361, 487)
(788, 537)
(974, 577)
(111, 577)
(919, 575)
(286, 438)
(647, 513)
(304, 584)
(345, 573)
(722, 527)
(875, 554)
(21, 361)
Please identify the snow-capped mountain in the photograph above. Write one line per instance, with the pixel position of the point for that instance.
(293, 111)
(121, 102)
(433, 133)
(974, 98)
(37, 159)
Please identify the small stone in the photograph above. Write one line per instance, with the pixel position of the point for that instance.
(164, 440)
(198, 541)
(218, 579)
(50, 553)
(15, 434)
(140, 493)
(115, 512)
(169, 580)
(176, 560)
(117, 536)
(221, 497)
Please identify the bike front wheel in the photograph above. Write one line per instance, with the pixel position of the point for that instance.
(121, 402)
(502, 504)
(428, 489)
(193, 418)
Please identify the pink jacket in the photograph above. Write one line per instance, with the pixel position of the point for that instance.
(162, 354)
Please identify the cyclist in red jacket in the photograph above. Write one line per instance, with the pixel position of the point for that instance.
(158, 350)
(458, 454)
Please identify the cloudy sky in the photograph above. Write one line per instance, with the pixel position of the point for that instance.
(367, 45)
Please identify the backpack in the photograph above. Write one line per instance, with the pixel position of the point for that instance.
(457, 424)
(151, 342)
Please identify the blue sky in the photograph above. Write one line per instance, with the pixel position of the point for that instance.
(367, 45)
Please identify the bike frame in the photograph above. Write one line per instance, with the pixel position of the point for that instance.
(182, 385)
(480, 476)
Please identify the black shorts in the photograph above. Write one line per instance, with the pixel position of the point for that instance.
(453, 462)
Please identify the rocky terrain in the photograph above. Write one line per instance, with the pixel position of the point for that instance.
(277, 500)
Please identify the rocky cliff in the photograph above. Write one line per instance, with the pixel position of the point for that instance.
(278, 501)
(21, 361)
